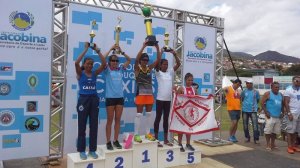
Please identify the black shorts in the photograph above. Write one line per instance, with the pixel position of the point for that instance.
(114, 101)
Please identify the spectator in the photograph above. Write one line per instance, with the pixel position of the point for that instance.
(250, 99)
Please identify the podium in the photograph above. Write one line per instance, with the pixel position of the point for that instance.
(74, 161)
(141, 155)
(116, 158)
(145, 154)
(168, 156)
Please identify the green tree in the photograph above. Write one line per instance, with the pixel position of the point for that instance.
(293, 70)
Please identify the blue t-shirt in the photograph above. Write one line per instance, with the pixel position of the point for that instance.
(114, 83)
(274, 104)
(250, 99)
(87, 85)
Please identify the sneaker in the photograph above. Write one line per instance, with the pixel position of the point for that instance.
(247, 140)
(159, 145)
(230, 139)
(181, 148)
(137, 138)
(190, 147)
(290, 150)
(82, 155)
(296, 149)
(234, 139)
(93, 155)
(117, 144)
(256, 142)
(150, 137)
(109, 146)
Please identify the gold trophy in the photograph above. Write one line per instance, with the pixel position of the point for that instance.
(117, 38)
(146, 11)
(92, 34)
(166, 39)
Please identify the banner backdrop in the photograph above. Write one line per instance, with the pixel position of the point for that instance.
(193, 114)
(132, 37)
(25, 66)
(199, 58)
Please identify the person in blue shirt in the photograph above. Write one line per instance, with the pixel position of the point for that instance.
(114, 94)
(250, 98)
(272, 104)
(88, 101)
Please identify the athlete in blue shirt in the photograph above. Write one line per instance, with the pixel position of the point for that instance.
(88, 101)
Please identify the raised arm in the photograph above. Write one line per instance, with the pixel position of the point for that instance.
(138, 57)
(125, 65)
(77, 62)
(177, 65)
(103, 61)
(154, 64)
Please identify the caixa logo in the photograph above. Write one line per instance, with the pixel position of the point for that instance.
(21, 21)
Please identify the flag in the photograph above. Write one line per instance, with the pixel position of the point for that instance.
(192, 114)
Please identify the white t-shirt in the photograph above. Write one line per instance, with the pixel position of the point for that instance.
(164, 81)
(294, 96)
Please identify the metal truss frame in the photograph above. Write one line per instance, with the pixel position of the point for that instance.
(60, 18)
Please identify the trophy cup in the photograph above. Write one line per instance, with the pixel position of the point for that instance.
(92, 34)
(117, 38)
(146, 11)
(166, 39)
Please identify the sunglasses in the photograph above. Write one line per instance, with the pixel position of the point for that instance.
(146, 60)
(114, 60)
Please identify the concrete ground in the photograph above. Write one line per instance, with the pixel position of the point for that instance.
(241, 154)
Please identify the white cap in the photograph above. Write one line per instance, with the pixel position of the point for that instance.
(249, 81)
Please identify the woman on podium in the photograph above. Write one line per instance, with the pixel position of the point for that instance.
(164, 78)
(114, 94)
(88, 101)
(188, 89)
(144, 93)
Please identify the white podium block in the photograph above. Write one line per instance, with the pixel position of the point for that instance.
(168, 156)
(190, 157)
(145, 154)
(74, 161)
(117, 158)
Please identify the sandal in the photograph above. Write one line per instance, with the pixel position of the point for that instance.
(168, 143)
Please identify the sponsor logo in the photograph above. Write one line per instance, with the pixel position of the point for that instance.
(5, 68)
(5, 88)
(32, 124)
(200, 43)
(21, 21)
(7, 118)
(81, 108)
(32, 81)
(11, 141)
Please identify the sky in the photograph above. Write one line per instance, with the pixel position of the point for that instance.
(251, 26)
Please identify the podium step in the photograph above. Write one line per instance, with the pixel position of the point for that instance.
(116, 158)
(74, 161)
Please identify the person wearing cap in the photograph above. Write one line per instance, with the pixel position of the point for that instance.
(272, 104)
(292, 107)
(233, 107)
(250, 99)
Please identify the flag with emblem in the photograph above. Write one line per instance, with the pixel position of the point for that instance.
(192, 114)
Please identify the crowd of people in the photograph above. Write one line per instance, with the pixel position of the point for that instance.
(279, 112)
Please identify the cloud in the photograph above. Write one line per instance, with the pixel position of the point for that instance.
(252, 26)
